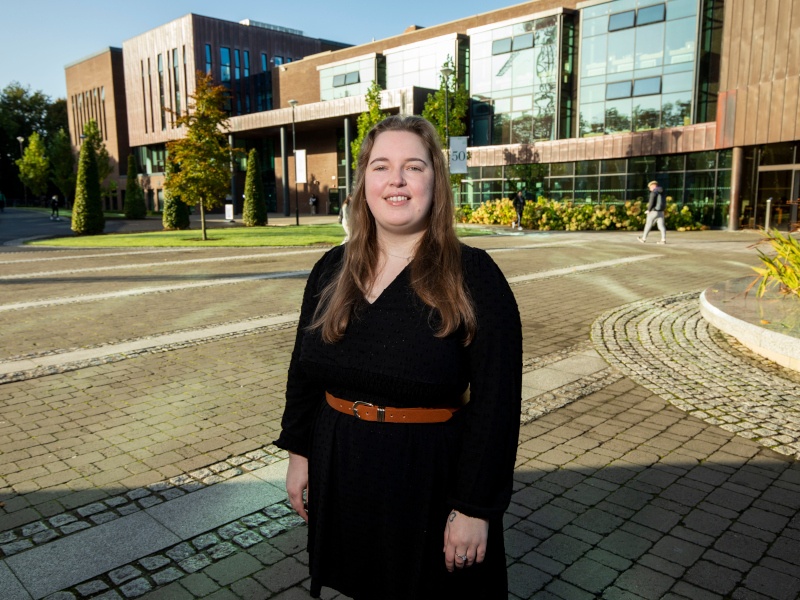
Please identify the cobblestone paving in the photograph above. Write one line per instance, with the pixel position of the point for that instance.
(618, 494)
(666, 346)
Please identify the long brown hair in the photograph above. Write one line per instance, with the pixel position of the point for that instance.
(436, 273)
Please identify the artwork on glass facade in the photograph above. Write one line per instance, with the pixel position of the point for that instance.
(637, 65)
(514, 82)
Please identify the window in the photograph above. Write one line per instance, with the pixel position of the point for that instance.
(161, 92)
(651, 14)
(225, 65)
(647, 87)
(237, 69)
(501, 46)
(522, 42)
(208, 59)
(264, 62)
(338, 80)
(623, 20)
(352, 78)
(176, 75)
(278, 60)
(288, 60)
(621, 89)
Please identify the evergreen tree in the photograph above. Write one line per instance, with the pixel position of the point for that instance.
(255, 201)
(62, 164)
(34, 166)
(176, 213)
(201, 161)
(135, 207)
(367, 120)
(87, 212)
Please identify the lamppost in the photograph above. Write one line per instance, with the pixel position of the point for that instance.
(21, 139)
(446, 72)
(294, 103)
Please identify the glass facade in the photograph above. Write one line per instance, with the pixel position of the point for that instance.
(699, 180)
(514, 81)
(637, 65)
(351, 78)
(420, 64)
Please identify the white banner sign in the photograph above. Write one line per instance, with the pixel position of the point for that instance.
(458, 154)
(300, 166)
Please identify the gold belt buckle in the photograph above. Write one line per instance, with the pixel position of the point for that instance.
(381, 410)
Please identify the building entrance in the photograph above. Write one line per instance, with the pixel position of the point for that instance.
(781, 187)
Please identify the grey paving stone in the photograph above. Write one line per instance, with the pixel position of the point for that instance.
(231, 530)
(204, 541)
(92, 509)
(91, 588)
(235, 567)
(195, 563)
(282, 575)
(124, 574)
(61, 596)
(644, 582)
(589, 575)
(677, 550)
(10, 586)
(45, 536)
(625, 544)
(524, 581)
(167, 576)
(199, 584)
(221, 550)
(33, 528)
(71, 560)
(136, 588)
(181, 551)
(152, 563)
(16, 547)
(249, 588)
(772, 583)
(75, 527)
(716, 578)
(214, 506)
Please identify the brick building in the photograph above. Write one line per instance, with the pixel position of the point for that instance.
(590, 100)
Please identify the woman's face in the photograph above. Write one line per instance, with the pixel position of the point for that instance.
(399, 183)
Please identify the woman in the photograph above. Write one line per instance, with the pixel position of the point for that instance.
(406, 478)
(344, 219)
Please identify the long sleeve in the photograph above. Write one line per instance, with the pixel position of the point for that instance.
(484, 477)
(304, 394)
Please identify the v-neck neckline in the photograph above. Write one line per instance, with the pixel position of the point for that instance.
(384, 290)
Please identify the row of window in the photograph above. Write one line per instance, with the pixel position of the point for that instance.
(638, 87)
(637, 18)
(346, 79)
(168, 83)
(87, 106)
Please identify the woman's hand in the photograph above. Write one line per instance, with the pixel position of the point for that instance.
(297, 484)
(464, 537)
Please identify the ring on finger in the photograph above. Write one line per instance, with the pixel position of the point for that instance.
(463, 558)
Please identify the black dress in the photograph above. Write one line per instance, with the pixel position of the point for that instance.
(380, 493)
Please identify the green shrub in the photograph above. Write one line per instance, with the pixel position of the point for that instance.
(254, 212)
(87, 210)
(135, 207)
(551, 215)
(781, 271)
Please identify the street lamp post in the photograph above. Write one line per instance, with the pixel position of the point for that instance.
(293, 103)
(446, 72)
(21, 139)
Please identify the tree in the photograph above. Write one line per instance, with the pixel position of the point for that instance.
(92, 136)
(87, 212)
(175, 214)
(62, 164)
(453, 118)
(34, 166)
(367, 120)
(255, 201)
(448, 110)
(21, 113)
(135, 207)
(200, 172)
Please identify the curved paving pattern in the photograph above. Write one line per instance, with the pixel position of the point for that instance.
(666, 345)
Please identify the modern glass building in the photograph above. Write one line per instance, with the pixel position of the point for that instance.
(582, 101)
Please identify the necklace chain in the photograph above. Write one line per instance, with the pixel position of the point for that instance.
(405, 258)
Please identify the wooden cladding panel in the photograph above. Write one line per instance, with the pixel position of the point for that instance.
(759, 43)
(761, 53)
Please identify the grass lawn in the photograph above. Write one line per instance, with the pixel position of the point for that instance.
(271, 235)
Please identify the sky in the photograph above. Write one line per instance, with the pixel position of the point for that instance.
(40, 37)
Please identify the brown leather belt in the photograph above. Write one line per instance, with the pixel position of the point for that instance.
(380, 414)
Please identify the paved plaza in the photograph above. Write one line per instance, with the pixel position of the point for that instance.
(140, 391)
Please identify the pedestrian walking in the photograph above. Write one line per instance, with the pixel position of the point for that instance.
(54, 208)
(519, 206)
(656, 204)
(344, 218)
(403, 479)
(312, 202)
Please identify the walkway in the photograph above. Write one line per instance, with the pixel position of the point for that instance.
(139, 403)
